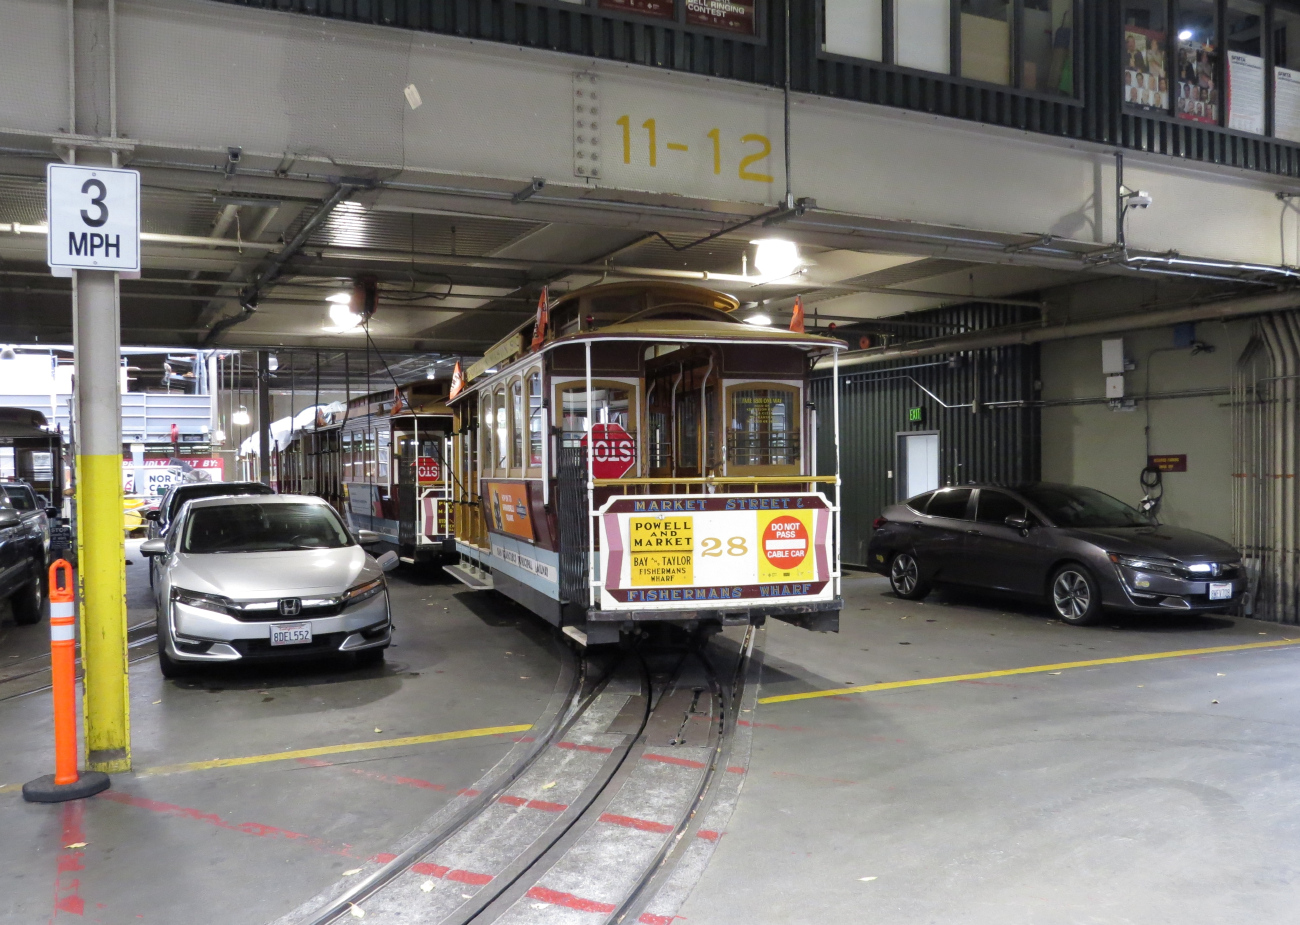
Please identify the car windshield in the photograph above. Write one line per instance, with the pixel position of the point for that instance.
(21, 498)
(263, 528)
(1072, 506)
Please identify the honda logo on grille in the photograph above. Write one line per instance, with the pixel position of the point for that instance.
(290, 606)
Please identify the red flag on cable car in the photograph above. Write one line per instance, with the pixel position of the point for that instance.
(457, 381)
(543, 319)
(796, 322)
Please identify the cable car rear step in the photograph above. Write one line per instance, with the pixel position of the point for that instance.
(468, 575)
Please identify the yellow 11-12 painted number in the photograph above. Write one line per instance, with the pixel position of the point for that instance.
(744, 171)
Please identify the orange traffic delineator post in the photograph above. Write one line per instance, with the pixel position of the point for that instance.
(65, 783)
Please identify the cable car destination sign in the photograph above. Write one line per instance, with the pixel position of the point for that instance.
(660, 551)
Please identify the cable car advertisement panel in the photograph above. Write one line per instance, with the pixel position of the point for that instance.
(666, 551)
(509, 511)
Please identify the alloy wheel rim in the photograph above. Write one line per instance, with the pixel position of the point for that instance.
(1071, 595)
(903, 574)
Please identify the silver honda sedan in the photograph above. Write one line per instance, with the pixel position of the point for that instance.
(265, 576)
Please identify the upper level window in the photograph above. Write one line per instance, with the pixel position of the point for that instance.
(986, 40)
(1146, 76)
(1047, 46)
(1027, 44)
(1196, 75)
(608, 406)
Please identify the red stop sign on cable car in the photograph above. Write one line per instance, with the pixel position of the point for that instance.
(613, 453)
(428, 469)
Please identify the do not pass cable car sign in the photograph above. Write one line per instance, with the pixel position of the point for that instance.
(613, 451)
(94, 218)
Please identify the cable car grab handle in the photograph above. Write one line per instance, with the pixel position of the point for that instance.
(591, 492)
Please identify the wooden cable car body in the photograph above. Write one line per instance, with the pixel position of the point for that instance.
(701, 502)
(382, 464)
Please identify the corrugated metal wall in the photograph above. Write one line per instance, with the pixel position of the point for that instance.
(995, 436)
(1097, 114)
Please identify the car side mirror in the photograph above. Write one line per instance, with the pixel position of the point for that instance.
(153, 548)
(10, 518)
(151, 515)
(388, 561)
(1019, 523)
(367, 537)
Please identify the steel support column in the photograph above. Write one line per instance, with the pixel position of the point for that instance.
(264, 416)
(100, 545)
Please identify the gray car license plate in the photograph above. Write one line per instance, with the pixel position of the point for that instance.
(1220, 590)
(290, 634)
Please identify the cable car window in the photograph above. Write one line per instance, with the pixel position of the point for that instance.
(609, 406)
(383, 455)
(764, 428)
(488, 431)
(503, 429)
(347, 456)
(535, 419)
(516, 424)
(688, 430)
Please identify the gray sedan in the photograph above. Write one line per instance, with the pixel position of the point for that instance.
(1081, 549)
(252, 577)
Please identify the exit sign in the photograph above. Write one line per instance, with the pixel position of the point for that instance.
(915, 415)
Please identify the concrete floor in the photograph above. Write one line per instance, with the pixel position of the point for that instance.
(245, 844)
(1109, 794)
(1101, 794)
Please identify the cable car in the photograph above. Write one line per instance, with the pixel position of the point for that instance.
(641, 455)
(381, 461)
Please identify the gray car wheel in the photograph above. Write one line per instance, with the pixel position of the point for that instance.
(1076, 599)
(905, 577)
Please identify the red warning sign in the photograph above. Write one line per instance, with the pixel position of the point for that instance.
(785, 542)
(613, 451)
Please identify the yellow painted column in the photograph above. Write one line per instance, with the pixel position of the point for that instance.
(101, 553)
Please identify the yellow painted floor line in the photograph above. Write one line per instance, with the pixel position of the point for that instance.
(10, 788)
(334, 749)
(1035, 669)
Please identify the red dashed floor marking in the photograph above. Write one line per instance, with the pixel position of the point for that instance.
(631, 822)
(569, 901)
(669, 759)
(248, 828)
(533, 804)
(447, 873)
(67, 891)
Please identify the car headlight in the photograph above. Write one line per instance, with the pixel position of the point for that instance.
(213, 602)
(1144, 565)
(362, 592)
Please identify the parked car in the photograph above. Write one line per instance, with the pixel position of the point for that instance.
(158, 519)
(34, 509)
(1080, 549)
(22, 563)
(262, 576)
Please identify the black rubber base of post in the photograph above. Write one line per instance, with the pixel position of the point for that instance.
(45, 790)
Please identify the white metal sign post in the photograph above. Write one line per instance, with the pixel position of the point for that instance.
(94, 219)
(94, 235)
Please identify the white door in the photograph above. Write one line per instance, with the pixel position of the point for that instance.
(921, 452)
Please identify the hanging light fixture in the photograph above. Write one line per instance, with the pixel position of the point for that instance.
(240, 418)
(776, 258)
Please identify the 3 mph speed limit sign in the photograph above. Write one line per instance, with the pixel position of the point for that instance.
(94, 216)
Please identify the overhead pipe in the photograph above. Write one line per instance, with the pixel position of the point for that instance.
(1230, 308)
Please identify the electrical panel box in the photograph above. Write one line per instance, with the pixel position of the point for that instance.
(1115, 386)
(1112, 357)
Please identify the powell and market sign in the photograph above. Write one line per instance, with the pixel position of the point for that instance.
(94, 219)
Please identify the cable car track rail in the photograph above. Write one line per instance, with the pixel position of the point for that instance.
(608, 743)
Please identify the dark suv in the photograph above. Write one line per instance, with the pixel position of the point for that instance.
(22, 563)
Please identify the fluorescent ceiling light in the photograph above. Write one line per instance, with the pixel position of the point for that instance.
(760, 319)
(776, 258)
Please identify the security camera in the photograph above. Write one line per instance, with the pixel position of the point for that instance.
(1139, 200)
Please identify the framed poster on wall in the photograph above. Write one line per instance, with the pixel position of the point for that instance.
(1245, 92)
(1146, 78)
